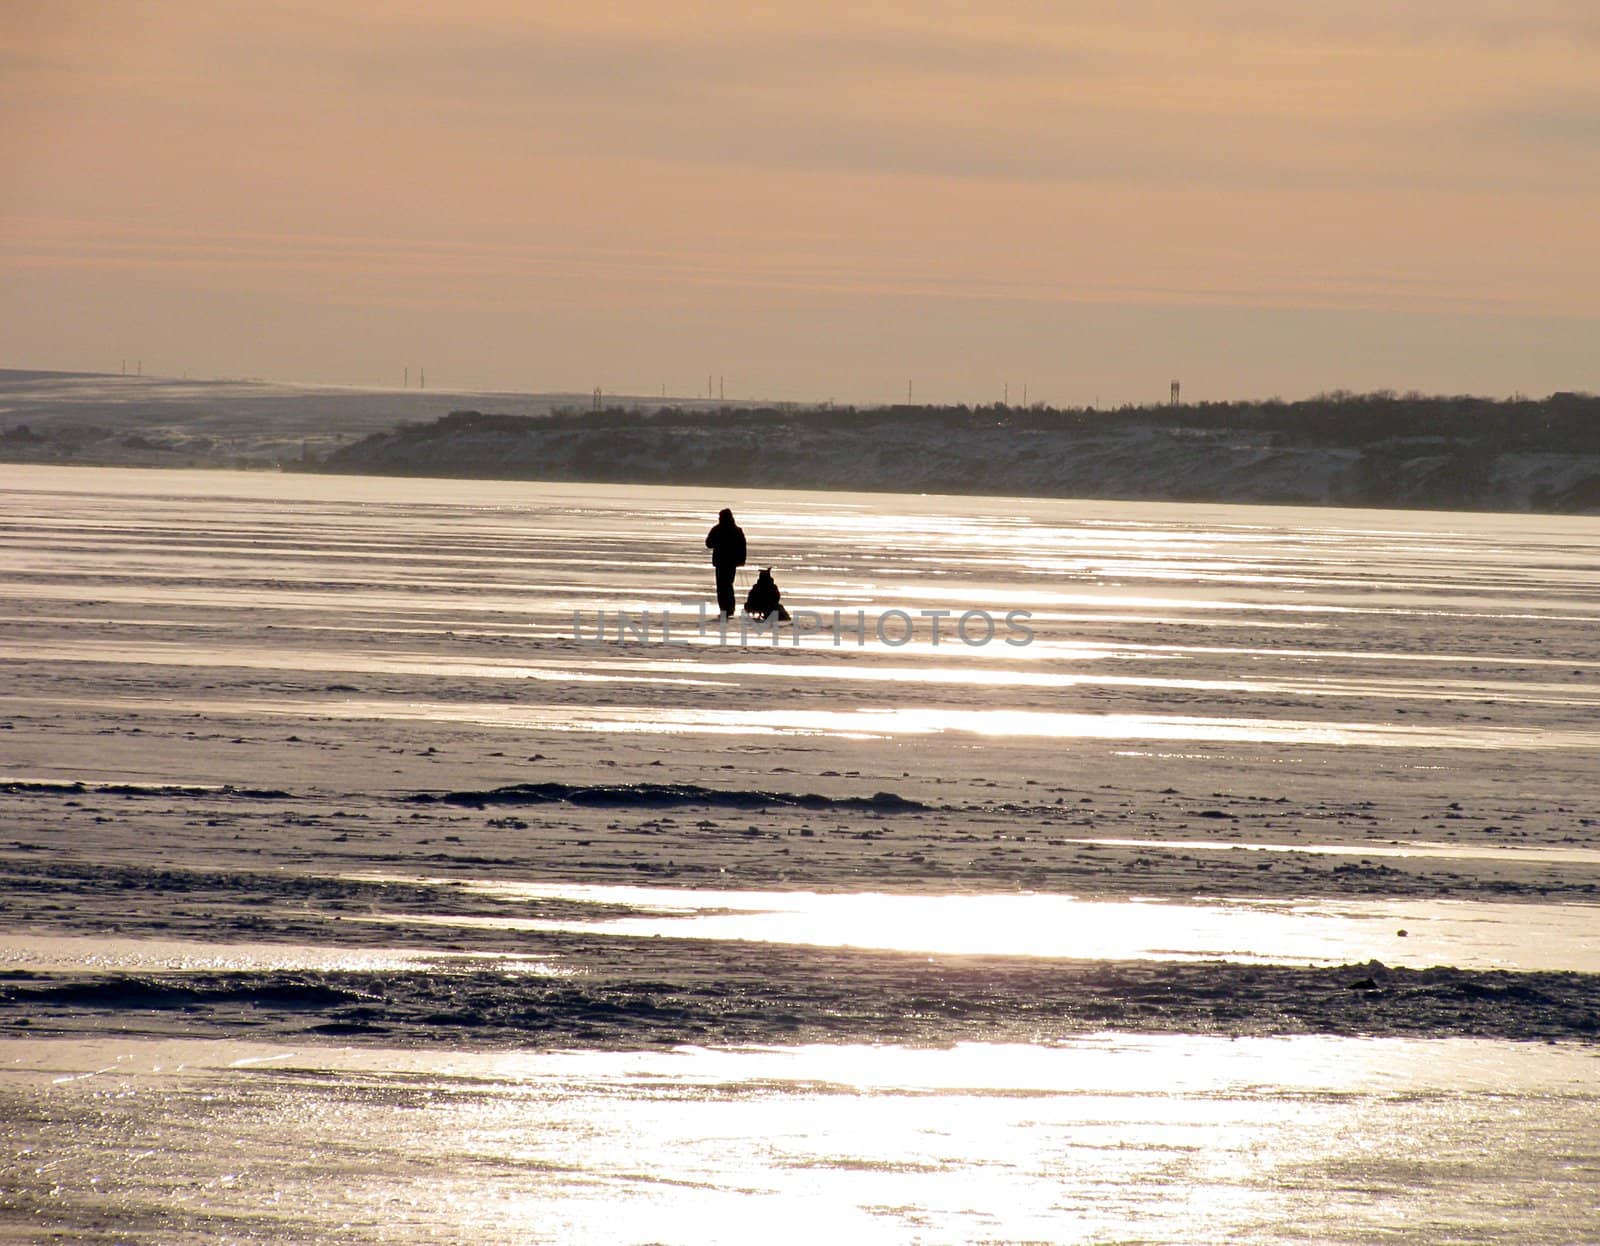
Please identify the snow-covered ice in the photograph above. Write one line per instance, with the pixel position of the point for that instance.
(319, 804)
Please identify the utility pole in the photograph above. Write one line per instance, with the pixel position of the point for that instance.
(1174, 401)
(405, 382)
(722, 393)
(597, 398)
(1005, 401)
(422, 378)
(908, 393)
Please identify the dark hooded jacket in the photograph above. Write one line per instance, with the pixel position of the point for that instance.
(726, 542)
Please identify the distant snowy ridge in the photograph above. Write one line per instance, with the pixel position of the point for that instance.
(1435, 453)
(1381, 450)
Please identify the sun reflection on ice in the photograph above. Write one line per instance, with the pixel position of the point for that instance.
(1166, 1139)
(1466, 934)
(101, 954)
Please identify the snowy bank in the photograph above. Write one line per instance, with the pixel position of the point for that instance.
(1469, 454)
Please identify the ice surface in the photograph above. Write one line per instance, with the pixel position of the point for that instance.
(1104, 1139)
(252, 732)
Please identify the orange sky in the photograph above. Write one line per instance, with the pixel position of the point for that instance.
(813, 201)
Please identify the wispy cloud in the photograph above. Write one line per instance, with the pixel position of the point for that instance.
(1248, 93)
(1577, 127)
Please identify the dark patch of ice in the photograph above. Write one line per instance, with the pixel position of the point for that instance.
(668, 796)
(757, 994)
(68, 787)
(120, 992)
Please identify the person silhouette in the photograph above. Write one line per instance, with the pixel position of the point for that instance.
(726, 543)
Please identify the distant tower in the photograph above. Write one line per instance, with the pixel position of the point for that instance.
(597, 398)
(1005, 400)
(1174, 399)
(908, 393)
(722, 392)
(422, 378)
(405, 382)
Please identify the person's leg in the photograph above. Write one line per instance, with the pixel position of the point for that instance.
(725, 601)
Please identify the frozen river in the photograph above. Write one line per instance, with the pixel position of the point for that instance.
(409, 861)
